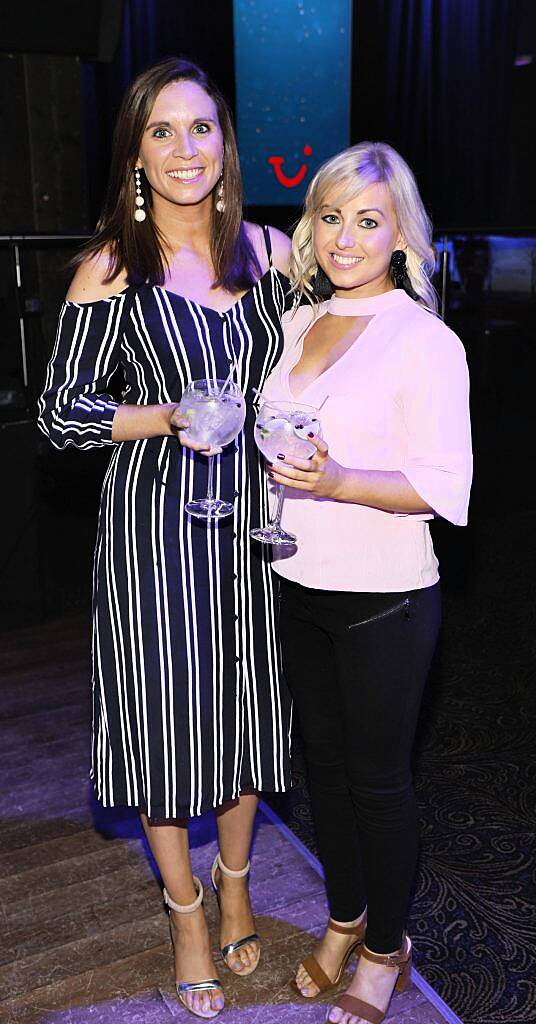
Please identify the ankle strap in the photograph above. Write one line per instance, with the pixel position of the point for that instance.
(401, 956)
(218, 863)
(191, 906)
(350, 929)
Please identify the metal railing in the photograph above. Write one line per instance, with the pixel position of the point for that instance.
(16, 243)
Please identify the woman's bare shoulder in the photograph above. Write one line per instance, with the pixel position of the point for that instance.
(281, 246)
(88, 283)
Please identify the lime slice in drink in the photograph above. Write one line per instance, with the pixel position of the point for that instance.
(272, 424)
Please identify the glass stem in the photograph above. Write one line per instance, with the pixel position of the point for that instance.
(210, 484)
(276, 520)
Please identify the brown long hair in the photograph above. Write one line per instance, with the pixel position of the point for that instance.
(138, 247)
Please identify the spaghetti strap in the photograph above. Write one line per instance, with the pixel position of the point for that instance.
(268, 243)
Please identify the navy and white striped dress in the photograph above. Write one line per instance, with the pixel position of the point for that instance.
(189, 707)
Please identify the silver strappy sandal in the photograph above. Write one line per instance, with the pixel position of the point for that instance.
(233, 947)
(184, 987)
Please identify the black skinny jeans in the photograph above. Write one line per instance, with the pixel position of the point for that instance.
(356, 665)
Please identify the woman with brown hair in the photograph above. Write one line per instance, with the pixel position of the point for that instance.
(189, 711)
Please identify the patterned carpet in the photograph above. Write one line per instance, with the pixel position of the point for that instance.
(472, 916)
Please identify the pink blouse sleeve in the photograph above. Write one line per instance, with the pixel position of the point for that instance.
(436, 411)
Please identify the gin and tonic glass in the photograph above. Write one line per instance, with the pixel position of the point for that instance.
(281, 428)
(216, 412)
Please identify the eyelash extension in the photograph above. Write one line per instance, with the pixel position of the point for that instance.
(370, 227)
(200, 124)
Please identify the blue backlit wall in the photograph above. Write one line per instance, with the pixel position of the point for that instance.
(292, 62)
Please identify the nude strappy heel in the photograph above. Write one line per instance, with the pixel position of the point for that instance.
(402, 960)
(233, 947)
(192, 986)
(316, 972)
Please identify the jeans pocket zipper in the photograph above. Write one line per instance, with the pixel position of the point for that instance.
(384, 615)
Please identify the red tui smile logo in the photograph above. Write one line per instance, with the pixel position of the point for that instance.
(277, 164)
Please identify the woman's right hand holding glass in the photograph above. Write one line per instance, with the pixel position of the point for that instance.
(178, 426)
(138, 422)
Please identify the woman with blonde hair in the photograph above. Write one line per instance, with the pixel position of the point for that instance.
(360, 603)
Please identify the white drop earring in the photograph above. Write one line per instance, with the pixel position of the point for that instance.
(139, 214)
(220, 201)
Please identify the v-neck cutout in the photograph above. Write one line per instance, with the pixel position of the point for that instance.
(211, 309)
(298, 347)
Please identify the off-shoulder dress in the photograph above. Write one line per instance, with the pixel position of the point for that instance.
(189, 706)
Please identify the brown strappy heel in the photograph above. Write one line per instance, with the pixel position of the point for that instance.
(402, 960)
(317, 973)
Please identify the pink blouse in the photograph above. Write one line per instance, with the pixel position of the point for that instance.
(398, 399)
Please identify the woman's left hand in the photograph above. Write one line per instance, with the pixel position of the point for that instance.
(320, 475)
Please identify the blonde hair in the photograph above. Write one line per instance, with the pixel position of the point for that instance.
(341, 179)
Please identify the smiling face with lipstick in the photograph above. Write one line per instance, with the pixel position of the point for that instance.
(182, 146)
(354, 241)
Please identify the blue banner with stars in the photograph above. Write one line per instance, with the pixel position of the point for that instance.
(293, 82)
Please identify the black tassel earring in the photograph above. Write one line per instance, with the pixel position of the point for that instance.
(322, 286)
(399, 273)
(399, 270)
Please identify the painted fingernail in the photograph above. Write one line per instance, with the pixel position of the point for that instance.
(280, 456)
(310, 434)
(269, 464)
